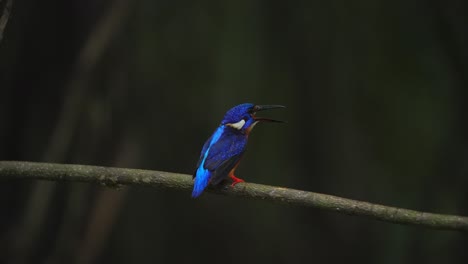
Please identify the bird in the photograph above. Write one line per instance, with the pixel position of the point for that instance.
(223, 151)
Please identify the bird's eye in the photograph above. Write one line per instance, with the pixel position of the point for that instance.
(253, 110)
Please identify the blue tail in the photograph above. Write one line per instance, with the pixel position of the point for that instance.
(202, 179)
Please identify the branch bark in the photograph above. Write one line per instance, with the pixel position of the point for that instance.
(114, 177)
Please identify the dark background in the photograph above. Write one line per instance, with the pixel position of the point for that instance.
(377, 100)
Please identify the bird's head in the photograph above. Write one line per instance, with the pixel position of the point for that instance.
(242, 117)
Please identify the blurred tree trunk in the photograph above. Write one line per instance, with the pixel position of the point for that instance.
(5, 13)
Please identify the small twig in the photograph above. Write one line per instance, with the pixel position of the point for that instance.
(119, 176)
(4, 16)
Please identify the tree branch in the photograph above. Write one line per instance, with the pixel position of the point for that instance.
(118, 176)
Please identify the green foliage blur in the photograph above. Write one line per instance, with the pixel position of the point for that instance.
(376, 95)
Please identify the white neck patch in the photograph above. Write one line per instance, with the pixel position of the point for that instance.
(237, 125)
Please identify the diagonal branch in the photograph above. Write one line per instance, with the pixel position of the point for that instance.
(118, 176)
(4, 16)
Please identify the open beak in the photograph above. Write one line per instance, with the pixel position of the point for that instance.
(259, 108)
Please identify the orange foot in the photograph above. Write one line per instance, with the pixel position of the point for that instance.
(235, 180)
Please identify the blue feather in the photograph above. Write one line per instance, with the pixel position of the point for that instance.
(201, 181)
(202, 175)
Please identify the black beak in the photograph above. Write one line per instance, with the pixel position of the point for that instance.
(259, 108)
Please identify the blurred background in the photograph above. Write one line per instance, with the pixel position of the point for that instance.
(376, 94)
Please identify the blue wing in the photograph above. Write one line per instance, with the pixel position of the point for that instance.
(224, 154)
(220, 154)
(222, 171)
(202, 154)
(201, 175)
